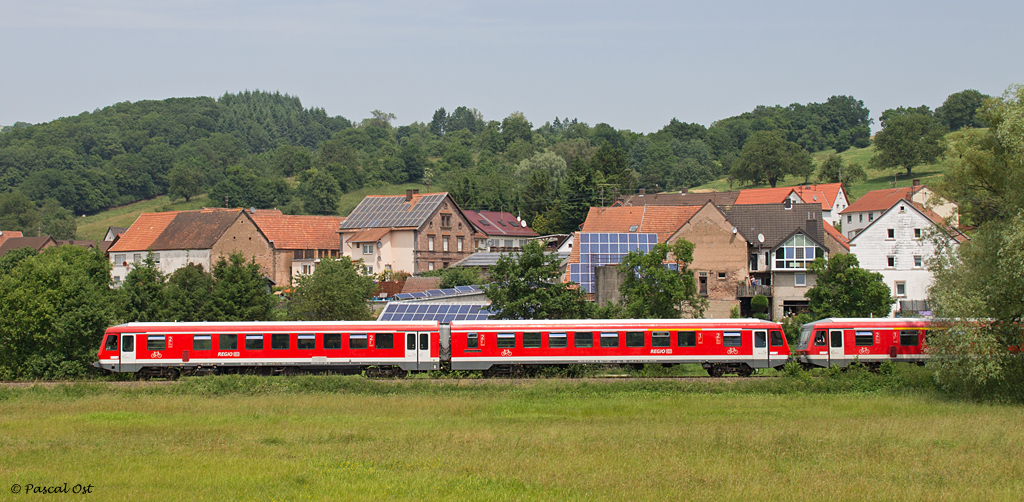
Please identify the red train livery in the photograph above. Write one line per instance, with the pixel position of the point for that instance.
(838, 342)
(394, 348)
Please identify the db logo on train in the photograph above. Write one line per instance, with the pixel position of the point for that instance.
(506, 353)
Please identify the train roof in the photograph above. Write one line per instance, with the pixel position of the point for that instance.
(872, 321)
(702, 323)
(269, 325)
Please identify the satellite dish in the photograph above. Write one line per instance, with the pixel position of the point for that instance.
(760, 238)
(518, 218)
(523, 223)
(734, 230)
(379, 245)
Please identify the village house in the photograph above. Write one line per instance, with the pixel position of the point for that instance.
(299, 242)
(498, 231)
(412, 233)
(864, 210)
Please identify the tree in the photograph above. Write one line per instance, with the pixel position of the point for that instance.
(527, 285)
(578, 195)
(186, 180)
(959, 110)
(320, 192)
(18, 212)
(767, 158)
(439, 123)
(144, 294)
(189, 294)
(515, 127)
(908, 138)
(335, 291)
(652, 290)
(843, 289)
(834, 169)
(240, 291)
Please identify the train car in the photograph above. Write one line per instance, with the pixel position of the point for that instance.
(838, 342)
(170, 349)
(720, 345)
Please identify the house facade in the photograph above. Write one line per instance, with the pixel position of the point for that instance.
(719, 258)
(299, 242)
(871, 205)
(498, 231)
(411, 233)
(898, 244)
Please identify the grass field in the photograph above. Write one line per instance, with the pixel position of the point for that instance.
(344, 438)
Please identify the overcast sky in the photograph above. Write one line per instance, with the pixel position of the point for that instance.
(634, 65)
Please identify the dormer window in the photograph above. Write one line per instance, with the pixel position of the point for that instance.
(797, 253)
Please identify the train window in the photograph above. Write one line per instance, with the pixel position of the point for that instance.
(759, 340)
(775, 339)
(836, 338)
(908, 338)
(583, 339)
(253, 342)
(332, 340)
(609, 339)
(634, 339)
(472, 340)
(506, 340)
(660, 339)
(111, 343)
(357, 341)
(279, 341)
(156, 342)
(227, 342)
(557, 340)
(128, 343)
(531, 340)
(202, 342)
(863, 338)
(384, 341)
(306, 342)
(820, 339)
(410, 341)
(686, 338)
(732, 339)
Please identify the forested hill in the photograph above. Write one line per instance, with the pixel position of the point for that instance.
(242, 148)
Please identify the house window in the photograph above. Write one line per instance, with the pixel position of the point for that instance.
(156, 258)
(458, 244)
(849, 218)
(901, 288)
(137, 258)
(890, 261)
(721, 276)
(917, 233)
(444, 264)
(799, 279)
(871, 216)
(891, 233)
(430, 265)
(306, 269)
(918, 262)
(430, 243)
(444, 244)
(861, 218)
(119, 259)
(702, 280)
(797, 253)
(446, 221)
(367, 248)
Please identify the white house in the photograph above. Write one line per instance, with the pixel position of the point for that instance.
(898, 243)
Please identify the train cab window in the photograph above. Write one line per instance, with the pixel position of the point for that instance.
(202, 342)
(332, 341)
(227, 342)
(557, 340)
(253, 342)
(863, 338)
(583, 339)
(472, 340)
(111, 345)
(531, 340)
(775, 339)
(820, 339)
(279, 341)
(506, 340)
(609, 339)
(908, 338)
(357, 341)
(634, 339)
(686, 338)
(759, 339)
(732, 339)
(306, 342)
(660, 339)
(156, 342)
(384, 341)
(128, 343)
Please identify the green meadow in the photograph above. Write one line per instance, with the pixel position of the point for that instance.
(346, 438)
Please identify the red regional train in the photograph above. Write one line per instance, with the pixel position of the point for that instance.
(838, 342)
(395, 348)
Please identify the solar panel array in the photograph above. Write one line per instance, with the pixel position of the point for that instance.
(442, 312)
(598, 249)
(434, 293)
(375, 212)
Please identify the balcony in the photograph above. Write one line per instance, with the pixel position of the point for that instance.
(749, 290)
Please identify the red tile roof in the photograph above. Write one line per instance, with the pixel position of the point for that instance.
(368, 235)
(142, 233)
(826, 194)
(421, 284)
(662, 220)
(287, 231)
(496, 223)
(837, 235)
(880, 200)
(763, 195)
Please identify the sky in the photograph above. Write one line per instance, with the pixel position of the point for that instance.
(634, 65)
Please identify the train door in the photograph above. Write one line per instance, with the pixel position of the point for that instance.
(835, 347)
(417, 349)
(127, 353)
(760, 349)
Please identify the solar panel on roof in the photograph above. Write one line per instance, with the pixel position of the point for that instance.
(598, 249)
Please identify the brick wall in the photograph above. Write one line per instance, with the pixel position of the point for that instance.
(243, 236)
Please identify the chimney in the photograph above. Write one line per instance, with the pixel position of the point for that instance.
(408, 194)
(643, 191)
(683, 191)
(917, 183)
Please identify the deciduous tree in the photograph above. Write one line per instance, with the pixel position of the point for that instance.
(908, 138)
(335, 291)
(652, 290)
(241, 292)
(843, 289)
(527, 285)
(767, 158)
